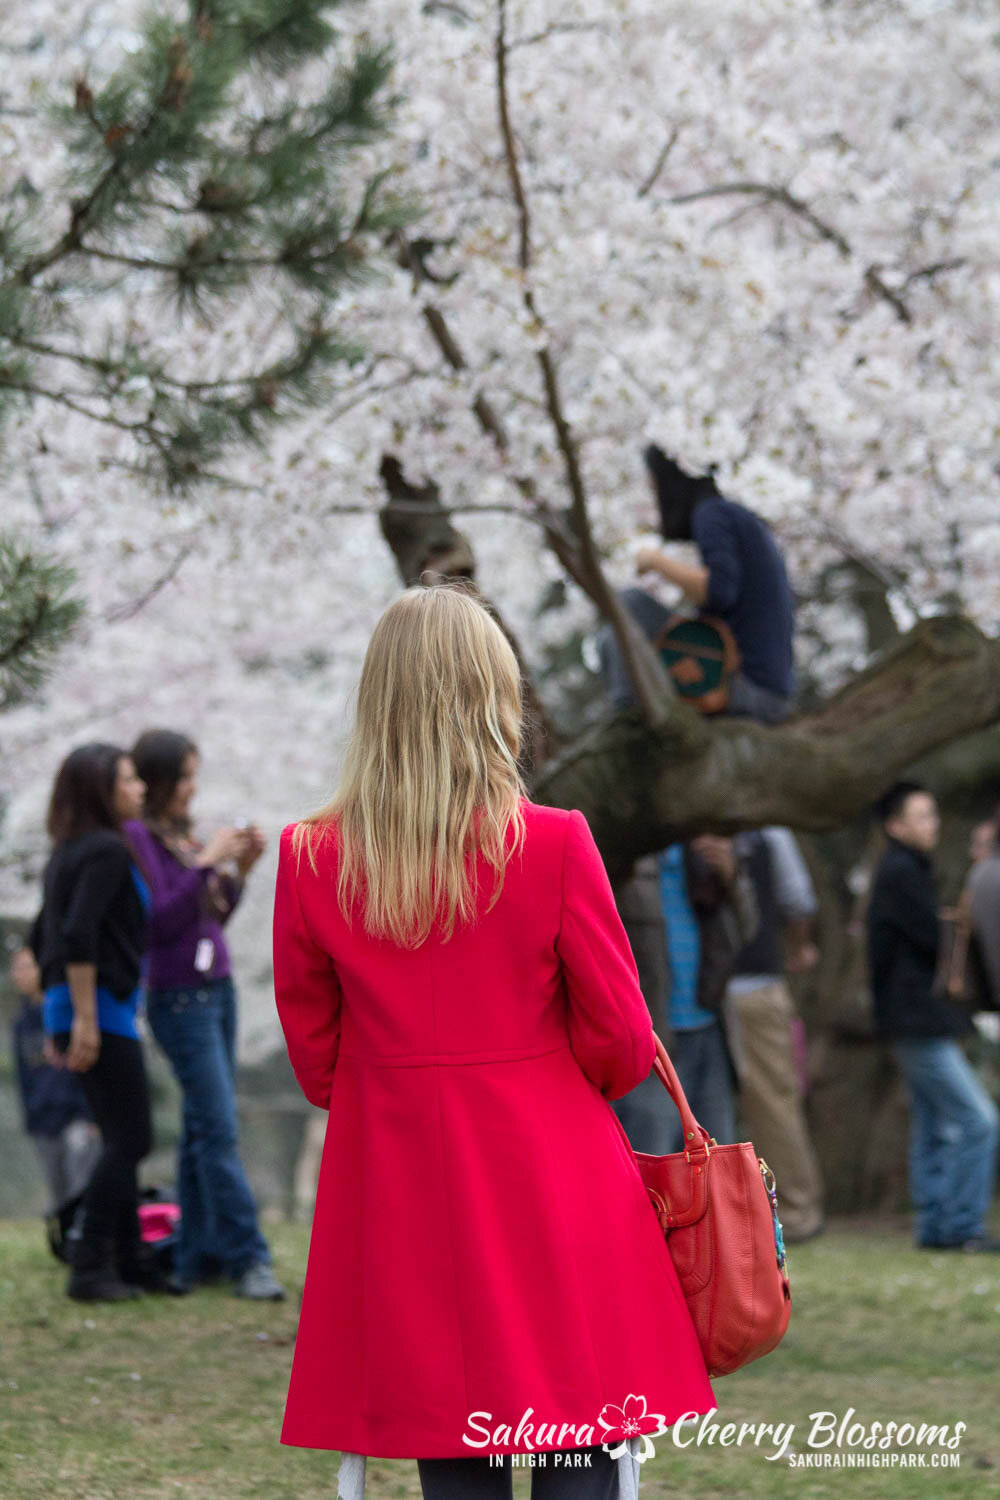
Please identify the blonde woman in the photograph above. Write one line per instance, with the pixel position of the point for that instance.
(486, 1276)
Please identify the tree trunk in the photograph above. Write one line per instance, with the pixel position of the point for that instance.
(644, 780)
(641, 788)
(428, 548)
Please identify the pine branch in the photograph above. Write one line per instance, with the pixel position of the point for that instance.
(38, 613)
(190, 188)
(178, 184)
(61, 398)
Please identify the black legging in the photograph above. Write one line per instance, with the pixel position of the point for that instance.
(117, 1091)
(478, 1479)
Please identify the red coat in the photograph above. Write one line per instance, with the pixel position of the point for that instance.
(482, 1242)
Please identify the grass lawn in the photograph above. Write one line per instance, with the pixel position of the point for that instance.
(183, 1397)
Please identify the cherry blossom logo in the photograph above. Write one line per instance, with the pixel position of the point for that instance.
(629, 1422)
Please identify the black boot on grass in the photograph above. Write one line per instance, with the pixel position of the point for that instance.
(94, 1277)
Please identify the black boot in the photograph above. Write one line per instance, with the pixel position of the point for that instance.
(94, 1277)
(137, 1262)
(54, 1236)
(140, 1266)
(63, 1230)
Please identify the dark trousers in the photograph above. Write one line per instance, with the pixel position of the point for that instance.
(579, 1474)
(117, 1090)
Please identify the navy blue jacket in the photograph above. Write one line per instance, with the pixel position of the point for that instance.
(748, 587)
(51, 1098)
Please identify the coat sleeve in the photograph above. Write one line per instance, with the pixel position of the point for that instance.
(98, 882)
(720, 555)
(176, 889)
(912, 910)
(609, 1024)
(307, 991)
(231, 888)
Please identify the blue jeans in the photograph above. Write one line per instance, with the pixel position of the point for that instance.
(650, 1116)
(953, 1141)
(196, 1028)
(747, 700)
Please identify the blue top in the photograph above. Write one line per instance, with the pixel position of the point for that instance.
(683, 943)
(114, 1015)
(748, 587)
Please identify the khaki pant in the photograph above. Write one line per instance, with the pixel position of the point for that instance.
(770, 1104)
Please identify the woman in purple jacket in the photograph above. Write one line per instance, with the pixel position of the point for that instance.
(191, 1008)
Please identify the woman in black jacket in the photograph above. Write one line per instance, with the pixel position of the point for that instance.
(92, 937)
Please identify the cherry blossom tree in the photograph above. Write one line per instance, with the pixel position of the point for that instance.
(761, 236)
(756, 256)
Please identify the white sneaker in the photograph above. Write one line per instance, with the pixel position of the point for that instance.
(260, 1283)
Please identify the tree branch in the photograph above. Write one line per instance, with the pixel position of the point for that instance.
(558, 535)
(650, 181)
(776, 193)
(129, 609)
(556, 28)
(427, 547)
(30, 626)
(932, 272)
(653, 688)
(26, 387)
(217, 261)
(83, 208)
(640, 788)
(111, 365)
(433, 508)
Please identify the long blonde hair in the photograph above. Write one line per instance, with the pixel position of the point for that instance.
(431, 770)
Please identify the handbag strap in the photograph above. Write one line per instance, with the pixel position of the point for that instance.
(696, 1137)
(697, 1141)
(956, 920)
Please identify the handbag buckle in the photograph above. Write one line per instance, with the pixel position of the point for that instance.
(705, 1144)
(663, 1213)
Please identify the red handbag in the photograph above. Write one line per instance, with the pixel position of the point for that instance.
(718, 1210)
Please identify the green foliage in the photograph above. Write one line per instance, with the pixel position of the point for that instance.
(216, 169)
(37, 614)
(204, 173)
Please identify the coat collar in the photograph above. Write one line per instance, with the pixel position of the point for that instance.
(917, 856)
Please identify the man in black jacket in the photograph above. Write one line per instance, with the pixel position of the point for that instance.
(953, 1121)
